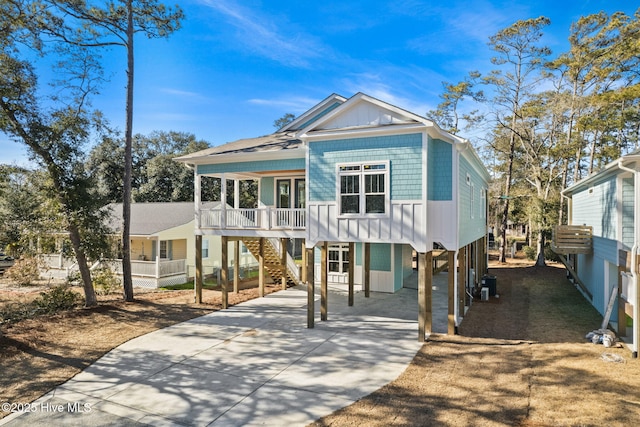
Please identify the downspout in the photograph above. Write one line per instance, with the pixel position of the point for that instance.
(634, 253)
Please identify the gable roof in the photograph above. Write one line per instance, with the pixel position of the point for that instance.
(148, 219)
(333, 115)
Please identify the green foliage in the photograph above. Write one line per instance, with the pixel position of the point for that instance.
(530, 252)
(105, 281)
(57, 299)
(24, 271)
(283, 121)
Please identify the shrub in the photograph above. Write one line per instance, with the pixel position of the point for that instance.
(530, 252)
(24, 271)
(57, 299)
(105, 281)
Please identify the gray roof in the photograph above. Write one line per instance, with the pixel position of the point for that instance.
(275, 142)
(151, 218)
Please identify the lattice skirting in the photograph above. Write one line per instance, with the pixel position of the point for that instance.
(153, 283)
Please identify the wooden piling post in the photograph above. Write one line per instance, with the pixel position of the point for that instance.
(310, 287)
(224, 276)
(324, 279)
(352, 262)
(198, 273)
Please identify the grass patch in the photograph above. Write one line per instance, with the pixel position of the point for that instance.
(189, 286)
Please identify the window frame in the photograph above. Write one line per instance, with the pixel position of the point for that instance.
(382, 167)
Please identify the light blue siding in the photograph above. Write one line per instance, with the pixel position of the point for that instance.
(380, 256)
(597, 207)
(267, 165)
(267, 191)
(591, 269)
(440, 173)
(397, 268)
(404, 152)
(472, 224)
(319, 115)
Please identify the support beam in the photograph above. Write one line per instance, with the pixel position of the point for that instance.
(324, 280)
(236, 266)
(367, 269)
(224, 273)
(462, 277)
(451, 317)
(198, 275)
(311, 291)
(352, 262)
(425, 287)
(304, 261)
(283, 262)
(261, 268)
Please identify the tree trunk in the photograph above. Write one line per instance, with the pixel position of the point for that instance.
(507, 191)
(85, 274)
(126, 202)
(540, 262)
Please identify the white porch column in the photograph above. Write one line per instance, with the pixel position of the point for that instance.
(223, 200)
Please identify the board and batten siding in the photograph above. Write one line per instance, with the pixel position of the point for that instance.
(596, 206)
(404, 223)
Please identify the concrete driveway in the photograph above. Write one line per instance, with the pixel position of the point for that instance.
(253, 364)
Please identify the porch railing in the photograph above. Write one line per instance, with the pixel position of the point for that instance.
(162, 268)
(262, 218)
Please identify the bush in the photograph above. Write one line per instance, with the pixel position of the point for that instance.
(530, 252)
(57, 299)
(105, 281)
(24, 271)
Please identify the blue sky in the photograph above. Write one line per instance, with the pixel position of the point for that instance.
(238, 65)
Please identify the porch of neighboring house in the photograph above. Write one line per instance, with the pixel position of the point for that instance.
(145, 274)
(154, 263)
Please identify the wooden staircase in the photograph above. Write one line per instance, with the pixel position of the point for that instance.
(273, 261)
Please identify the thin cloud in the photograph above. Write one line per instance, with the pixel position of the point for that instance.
(295, 104)
(263, 34)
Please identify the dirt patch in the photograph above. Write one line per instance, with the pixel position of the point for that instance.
(41, 353)
(520, 359)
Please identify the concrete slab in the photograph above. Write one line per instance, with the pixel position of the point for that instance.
(253, 364)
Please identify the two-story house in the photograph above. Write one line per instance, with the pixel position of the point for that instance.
(602, 243)
(365, 185)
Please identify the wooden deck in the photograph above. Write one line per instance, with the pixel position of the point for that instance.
(572, 239)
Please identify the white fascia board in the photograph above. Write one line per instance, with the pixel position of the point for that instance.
(610, 169)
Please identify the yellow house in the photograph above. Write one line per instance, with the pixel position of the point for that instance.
(163, 244)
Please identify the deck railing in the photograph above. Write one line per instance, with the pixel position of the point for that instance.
(262, 218)
(572, 239)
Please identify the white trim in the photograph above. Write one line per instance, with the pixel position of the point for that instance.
(362, 195)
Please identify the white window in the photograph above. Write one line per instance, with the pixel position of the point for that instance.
(483, 200)
(163, 249)
(339, 258)
(205, 248)
(363, 188)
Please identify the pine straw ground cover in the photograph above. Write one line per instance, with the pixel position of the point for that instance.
(519, 360)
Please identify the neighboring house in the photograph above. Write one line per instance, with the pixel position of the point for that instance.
(602, 242)
(365, 184)
(162, 245)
